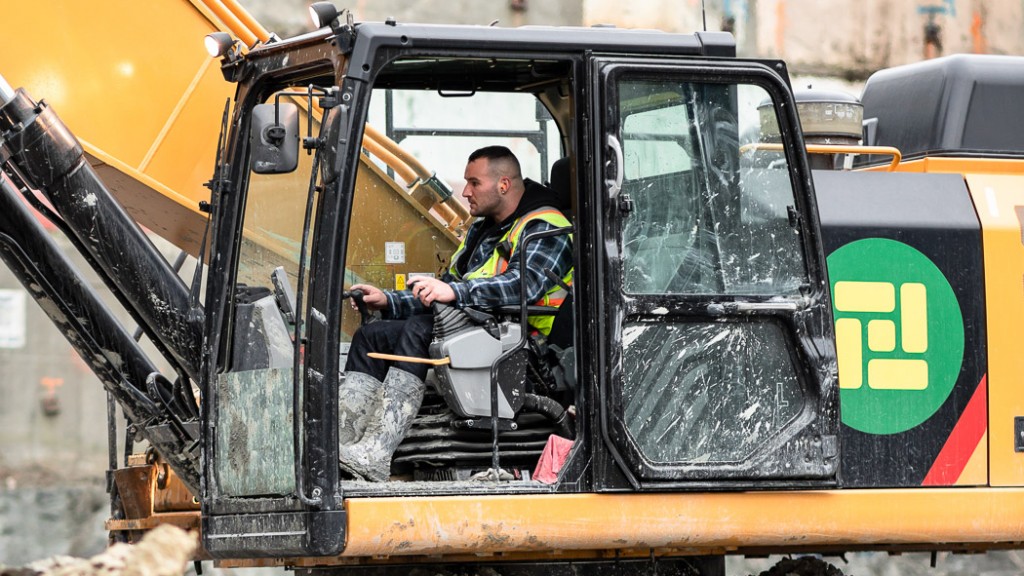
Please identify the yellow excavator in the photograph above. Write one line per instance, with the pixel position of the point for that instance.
(782, 338)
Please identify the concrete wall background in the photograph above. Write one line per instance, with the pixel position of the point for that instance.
(843, 38)
(287, 17)
(53, 409)
(846, 38)
(854, 39)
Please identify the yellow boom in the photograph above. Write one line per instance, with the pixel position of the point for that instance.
(135, 84)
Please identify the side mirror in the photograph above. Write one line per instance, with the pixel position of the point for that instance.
(274, 138)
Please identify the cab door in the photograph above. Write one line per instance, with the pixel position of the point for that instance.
(719, 361)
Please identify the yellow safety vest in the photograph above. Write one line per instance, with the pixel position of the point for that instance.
(497, 264)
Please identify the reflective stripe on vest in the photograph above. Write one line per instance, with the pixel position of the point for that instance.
(497, 264)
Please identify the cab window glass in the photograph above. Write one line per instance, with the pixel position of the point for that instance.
(711, 210)
(257, 387)
(655, 142)
(408, 213)
(275, 208)
(700, 392)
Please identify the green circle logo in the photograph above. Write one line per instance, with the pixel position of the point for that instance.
(899, 335)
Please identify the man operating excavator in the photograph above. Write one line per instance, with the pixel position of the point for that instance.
(380, 398)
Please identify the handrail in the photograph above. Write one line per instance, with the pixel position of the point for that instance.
(413, 172)
(247, 19)
(524, 334)
(231, 19)
(415, 165)
(377, 149)
(834, 149)
(453, 215)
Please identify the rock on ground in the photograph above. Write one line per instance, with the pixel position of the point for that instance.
(164, 551)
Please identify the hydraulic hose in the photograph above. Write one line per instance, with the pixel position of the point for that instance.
(552, 410)
(93, 331)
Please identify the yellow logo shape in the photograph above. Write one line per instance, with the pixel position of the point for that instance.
(912, 331)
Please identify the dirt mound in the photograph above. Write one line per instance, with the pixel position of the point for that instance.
(162, 552)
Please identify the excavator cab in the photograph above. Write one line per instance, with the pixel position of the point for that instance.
(487, 351)
(691, 356)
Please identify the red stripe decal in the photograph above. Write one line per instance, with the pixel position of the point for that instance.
(962, 441)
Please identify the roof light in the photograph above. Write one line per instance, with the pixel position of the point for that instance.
(218, 44)
(323, 13)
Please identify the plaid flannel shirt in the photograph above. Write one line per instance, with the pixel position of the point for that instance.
(554, 253)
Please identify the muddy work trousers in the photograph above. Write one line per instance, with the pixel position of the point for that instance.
(408, 337)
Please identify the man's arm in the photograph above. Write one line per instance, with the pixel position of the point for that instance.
(405, 303)
(554, 253)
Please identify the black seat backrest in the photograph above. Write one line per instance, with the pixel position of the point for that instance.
(561, 183)
(563, 326)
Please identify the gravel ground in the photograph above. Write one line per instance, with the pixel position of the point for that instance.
(1001, 563)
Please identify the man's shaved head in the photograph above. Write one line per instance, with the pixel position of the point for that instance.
(494, 183)
(500, 160)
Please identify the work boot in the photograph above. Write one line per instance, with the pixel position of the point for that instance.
(359, 397)
(370, 458)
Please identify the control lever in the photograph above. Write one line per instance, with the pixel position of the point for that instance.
(357, 297)
(283, 293)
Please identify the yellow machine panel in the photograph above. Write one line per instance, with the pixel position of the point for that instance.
(999, 200)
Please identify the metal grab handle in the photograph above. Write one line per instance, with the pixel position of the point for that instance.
(833, 149)
(720, 308)
(615, 185)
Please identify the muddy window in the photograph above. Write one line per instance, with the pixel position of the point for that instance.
(274, 211)
(706, 392)
(272, 234)
(656, 142)
(254, 396)
(711, 210)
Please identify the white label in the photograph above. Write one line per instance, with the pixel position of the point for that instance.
(394, 252)
(12, 318)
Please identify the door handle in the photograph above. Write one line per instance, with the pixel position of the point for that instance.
(615, 184)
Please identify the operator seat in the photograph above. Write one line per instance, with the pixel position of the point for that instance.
(561, 183)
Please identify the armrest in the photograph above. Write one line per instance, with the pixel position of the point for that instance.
(530, 310)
